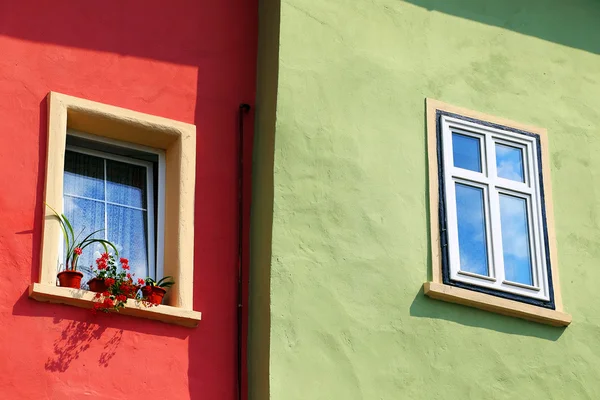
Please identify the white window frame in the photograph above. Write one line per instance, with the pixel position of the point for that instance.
(493, 186)
(155, 255)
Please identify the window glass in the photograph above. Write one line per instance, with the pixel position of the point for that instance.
(126, 184)
(471, 229)
(117, 205)
(127, 229)
(509, 162)
(466, 152)
(515, 239)
(84, 175)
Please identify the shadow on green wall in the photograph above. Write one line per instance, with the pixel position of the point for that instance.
(259, 329)
(572, 23)
(424, 307)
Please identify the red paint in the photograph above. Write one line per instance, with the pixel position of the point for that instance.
(192, 61)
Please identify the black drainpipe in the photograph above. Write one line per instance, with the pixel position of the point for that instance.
(243, 110)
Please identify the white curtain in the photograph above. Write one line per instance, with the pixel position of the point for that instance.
(111, 195)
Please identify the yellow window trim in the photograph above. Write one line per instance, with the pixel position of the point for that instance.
(178, 140)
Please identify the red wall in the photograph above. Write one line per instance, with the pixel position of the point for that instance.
(192, 61)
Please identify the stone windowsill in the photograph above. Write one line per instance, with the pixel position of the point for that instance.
(495, 304)
(84, 299)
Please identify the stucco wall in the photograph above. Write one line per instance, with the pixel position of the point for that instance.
(193, 61)
(350, 217)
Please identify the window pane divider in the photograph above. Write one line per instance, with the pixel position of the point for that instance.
(473, 275)
(105, 201)
(497, 248)
(105, 205)
(521, 285)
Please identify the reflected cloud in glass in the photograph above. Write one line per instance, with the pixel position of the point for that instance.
(471, 229)
(509, 163)
(515, 239)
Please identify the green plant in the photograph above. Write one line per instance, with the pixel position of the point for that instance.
(165, 282)
(74, 247)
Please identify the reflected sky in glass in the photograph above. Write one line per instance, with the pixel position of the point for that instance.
(471, 229)
(509, 162)
(466, 152)
(515, 239)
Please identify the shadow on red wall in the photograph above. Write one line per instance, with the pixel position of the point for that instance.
(219, 40)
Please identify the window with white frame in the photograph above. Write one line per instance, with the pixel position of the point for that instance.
(116, 189)
(493, 228)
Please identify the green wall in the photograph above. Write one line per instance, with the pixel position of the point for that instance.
(340, 172)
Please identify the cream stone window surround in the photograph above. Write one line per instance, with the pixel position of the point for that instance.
(437, 289)
(178, 140)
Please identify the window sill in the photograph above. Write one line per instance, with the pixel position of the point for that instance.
(84, 299)
(495, 304)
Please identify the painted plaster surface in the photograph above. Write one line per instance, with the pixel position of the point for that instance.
(190, 61)
(350, 215)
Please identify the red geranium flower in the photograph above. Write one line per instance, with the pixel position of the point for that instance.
(141, 281)
(109, 281)
(124, 260)
(78, 251)
(125, 266)
(122, 297)
(128, 276)
(96, 307)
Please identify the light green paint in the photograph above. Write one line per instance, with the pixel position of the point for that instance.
(350, 248)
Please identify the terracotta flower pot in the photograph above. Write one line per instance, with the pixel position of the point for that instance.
(130, 291)
(154, 294)
(97, 285)
(70, 279)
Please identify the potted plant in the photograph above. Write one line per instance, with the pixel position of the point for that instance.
(113, 284)
(97, 285)
(154, 292)
(70, 277)
(106, 268)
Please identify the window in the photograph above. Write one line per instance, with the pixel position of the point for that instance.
(491, 215)
(131, 173)
(114, 188)
(494, 227)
